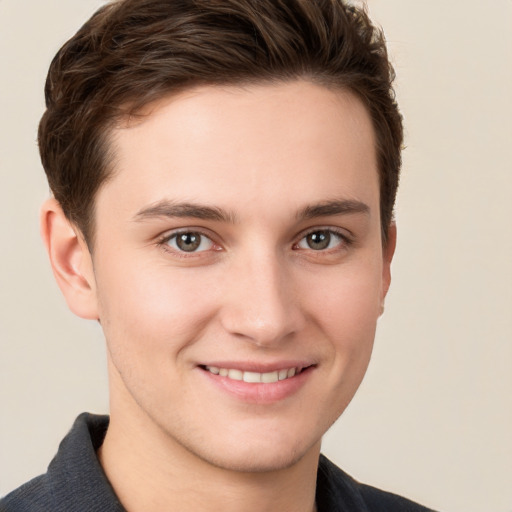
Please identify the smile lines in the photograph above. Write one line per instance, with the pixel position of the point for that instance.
(254, 377)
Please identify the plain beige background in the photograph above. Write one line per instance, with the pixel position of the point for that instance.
(433, 419)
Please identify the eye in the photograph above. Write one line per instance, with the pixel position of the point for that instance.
(189, 241)
(321, 239)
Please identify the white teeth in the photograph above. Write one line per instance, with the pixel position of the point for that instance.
(236, 374)
(253, 377)
(270, 377)
(283, 374)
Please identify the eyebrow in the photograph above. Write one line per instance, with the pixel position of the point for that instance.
(171, 209)
(334, 207)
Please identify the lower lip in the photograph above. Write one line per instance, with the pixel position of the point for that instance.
(259, 393)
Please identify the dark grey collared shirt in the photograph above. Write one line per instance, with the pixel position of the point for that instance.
(75, 482)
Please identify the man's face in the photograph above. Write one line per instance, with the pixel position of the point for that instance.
(240, 239)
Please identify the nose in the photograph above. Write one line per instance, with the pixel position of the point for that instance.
(261, 303)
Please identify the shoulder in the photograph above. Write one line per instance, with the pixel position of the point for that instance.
(381, 501)
(74, 480)
(31, 496)
(336, 490)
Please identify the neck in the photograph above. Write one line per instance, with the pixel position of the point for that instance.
(150, 471)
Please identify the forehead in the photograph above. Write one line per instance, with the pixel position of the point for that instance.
(280, 143)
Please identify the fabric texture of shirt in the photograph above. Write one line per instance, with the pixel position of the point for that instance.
(75, 482)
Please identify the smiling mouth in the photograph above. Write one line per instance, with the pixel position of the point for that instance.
(255, 377)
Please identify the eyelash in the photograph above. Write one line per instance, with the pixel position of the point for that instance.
(344, 241)
(163, 242)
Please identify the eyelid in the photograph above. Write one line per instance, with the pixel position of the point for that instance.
(339, 232)
(343, 233)
(162, 241)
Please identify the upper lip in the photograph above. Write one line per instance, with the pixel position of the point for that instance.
(259, 367)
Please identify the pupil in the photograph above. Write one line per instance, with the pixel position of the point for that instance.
(188, 241)
(319, 240)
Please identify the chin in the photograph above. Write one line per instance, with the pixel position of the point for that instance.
(253, 455)
(259, 462)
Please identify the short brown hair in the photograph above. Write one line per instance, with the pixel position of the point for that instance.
(133, 52)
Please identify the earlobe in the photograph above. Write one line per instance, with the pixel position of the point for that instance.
(388, 251)
(70, 260)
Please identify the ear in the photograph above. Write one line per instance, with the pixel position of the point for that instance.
(388, 250)
(70, 259)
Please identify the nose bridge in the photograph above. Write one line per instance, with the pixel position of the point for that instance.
(262, 305)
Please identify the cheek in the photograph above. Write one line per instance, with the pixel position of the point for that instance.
(348, 299)
(346, 313)
(152, 307)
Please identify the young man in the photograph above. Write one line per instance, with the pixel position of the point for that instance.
(224, 174)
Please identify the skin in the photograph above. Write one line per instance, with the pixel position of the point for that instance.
(265, 160)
